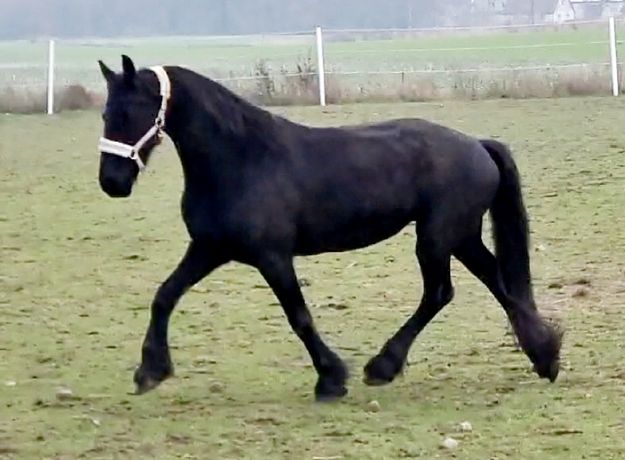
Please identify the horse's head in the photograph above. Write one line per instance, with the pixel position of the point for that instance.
(133, 120)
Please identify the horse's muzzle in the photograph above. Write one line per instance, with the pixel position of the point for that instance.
(115, 188)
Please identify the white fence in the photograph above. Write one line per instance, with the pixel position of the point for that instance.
(332, 65)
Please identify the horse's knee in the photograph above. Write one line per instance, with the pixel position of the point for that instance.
(301, 323)
(447, 294)
(441, 296)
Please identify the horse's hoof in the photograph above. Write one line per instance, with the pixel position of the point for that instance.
(381, 370)
(146, 385)
(547, 359)
(548, 371)
(326, 392)
(330, 389)
(146, 381)
(375, 382)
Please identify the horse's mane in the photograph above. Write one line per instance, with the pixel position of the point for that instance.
(231, 114)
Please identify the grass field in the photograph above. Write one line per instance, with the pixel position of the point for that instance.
(237, 56)
(79, 270)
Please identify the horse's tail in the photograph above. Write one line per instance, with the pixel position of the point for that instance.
(510, 225)
(540, 340)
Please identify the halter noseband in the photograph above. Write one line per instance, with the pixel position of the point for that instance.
(132, 151)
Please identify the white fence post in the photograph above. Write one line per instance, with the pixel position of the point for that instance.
(320, 68)
(51, 78)
(613, 57)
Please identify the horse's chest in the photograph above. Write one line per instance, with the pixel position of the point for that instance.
(201, 217)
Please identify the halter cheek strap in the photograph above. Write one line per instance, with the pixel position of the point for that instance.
(132, 151)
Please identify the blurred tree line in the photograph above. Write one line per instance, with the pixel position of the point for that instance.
(106, 18)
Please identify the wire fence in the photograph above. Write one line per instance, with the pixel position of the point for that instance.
(363, 64)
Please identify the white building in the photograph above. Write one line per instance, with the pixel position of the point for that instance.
(564, 12)
(585, 10)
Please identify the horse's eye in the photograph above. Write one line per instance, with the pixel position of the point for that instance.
(104, 116)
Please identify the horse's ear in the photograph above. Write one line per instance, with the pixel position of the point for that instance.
(106, 72)
(129, 69)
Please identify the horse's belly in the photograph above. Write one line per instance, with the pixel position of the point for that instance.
(347, 237)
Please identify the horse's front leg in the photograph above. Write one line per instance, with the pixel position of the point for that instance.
(279, 273)
(156, 366)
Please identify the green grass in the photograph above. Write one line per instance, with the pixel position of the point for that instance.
(226, 57)
(79, 271)
(458, 51)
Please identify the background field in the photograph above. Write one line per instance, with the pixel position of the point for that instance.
(79, 271)
(361, 65)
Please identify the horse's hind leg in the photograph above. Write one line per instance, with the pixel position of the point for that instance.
(434, 259)
(539, 340)
(279, 273)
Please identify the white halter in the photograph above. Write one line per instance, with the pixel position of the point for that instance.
(132, 151)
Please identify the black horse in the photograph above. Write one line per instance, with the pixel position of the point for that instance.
(260, 189)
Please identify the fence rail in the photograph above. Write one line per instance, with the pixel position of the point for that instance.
(323, 63)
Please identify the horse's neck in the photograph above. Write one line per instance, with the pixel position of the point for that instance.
(199, 134)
